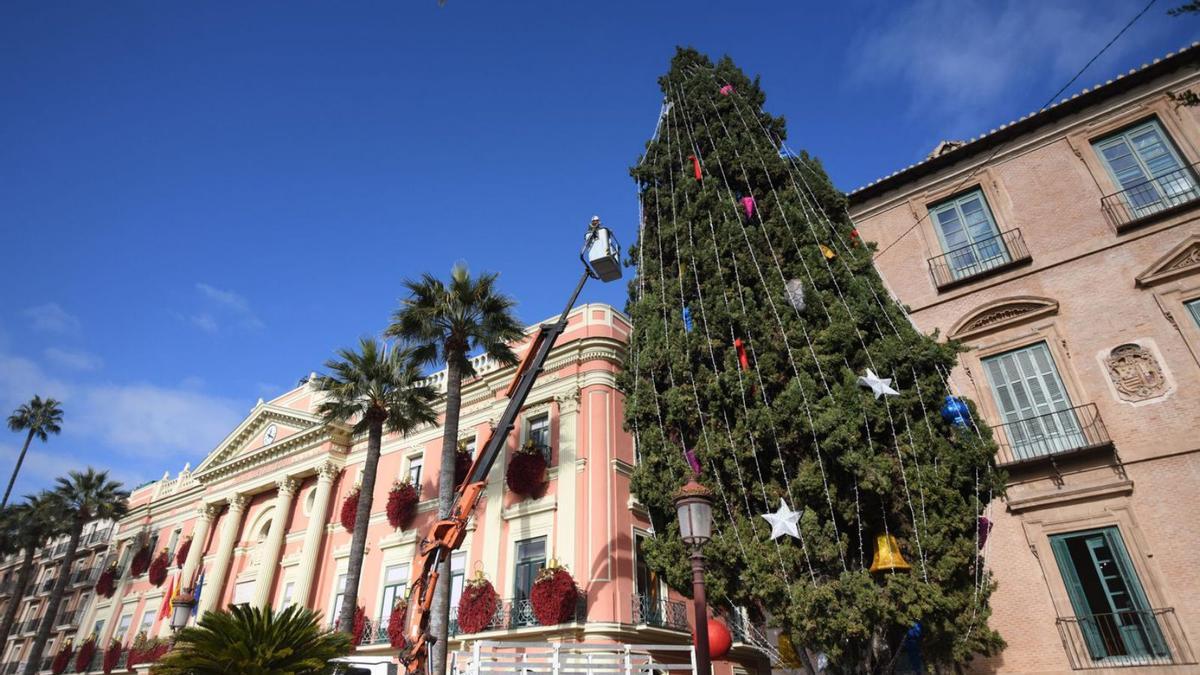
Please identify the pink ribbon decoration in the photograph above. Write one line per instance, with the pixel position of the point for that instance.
(748, 205)
(727, 90)
(692, 461)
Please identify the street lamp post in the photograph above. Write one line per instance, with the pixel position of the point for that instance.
(693, 505)
(181, 611)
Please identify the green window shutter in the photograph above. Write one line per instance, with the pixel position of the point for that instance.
(1146, 622)
(1033, 402)
(1083, 613)
(968, 234)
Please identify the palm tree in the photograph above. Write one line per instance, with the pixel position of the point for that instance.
(26, 527)
(443, 323)
(81, 497)
(377, 386)
(255, 641)
(40, 417)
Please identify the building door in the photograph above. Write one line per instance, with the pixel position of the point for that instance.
(1110, 606)
(530, 559)
(649, 596)
(1142, 161)
(1037, 414)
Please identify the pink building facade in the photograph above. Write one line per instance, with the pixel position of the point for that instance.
(261, 512)
(1063, 251)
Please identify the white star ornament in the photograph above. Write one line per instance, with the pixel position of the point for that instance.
(879, 385)
(783, 521)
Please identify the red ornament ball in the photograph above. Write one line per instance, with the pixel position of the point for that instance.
(719, 639)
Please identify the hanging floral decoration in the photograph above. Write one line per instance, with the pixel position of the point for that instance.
(144, 650)
(62, 658)
(395, 627)
(554, 595)
(526, 473)
(181, 554)
(359, 627)
(462, 463)
(350, 510)
(158, 568)
(83, 657)
(402, 504)
(140, 562)
(478, 605)
(106, 585)
(112, 655)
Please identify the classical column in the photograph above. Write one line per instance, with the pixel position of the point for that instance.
(207, 514)
(214, 580)
(568, 527)
(314, 534)
(268, 562)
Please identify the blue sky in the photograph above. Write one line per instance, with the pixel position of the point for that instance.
(201, 200)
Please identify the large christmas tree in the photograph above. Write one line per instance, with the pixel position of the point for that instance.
(762, 347)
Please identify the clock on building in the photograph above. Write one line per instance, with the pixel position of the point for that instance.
(269, 436)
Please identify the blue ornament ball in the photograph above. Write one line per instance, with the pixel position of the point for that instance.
(955, 411)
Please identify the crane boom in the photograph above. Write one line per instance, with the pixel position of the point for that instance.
(447, 534)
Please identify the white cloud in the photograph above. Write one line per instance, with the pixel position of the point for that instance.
(960, 59)
(224, 308)
(42, 466)
(73, 359)
(52, 318)
(152, 421)
(21, 378)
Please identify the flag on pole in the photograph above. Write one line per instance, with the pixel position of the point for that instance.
(165, 610)
(196, 593)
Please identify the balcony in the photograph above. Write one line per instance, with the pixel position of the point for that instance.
(85, 575)
(986, 256)
(1154, 198)
(69, 618)
(31, 625)
(512, 614)
(46, 585)
(1151, 637)
(660, 613)
(97, 537)
(8, 587)
(12, 667)
(1044, 438)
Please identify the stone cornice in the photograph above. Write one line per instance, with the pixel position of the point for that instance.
(297, 442)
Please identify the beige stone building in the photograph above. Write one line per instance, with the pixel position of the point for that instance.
(1063, 250)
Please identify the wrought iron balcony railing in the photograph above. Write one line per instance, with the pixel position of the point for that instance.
(1150, 637)
(993, 254)
(1152, 197)
(660, 613)
(47, 661)
(70, 617)
(46, 585)
(85, 575)
(8, 587)
(31, 625)
(1061, 432)
(517, 613)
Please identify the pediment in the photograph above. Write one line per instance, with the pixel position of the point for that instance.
(266, 427)
(1001, 314)
(1183, 259)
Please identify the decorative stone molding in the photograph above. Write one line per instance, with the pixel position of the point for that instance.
(1183, 259)
(237, 503)
(529, 508)
(328, 471)
(568, 402)
(1001, 314)
(1135, 373)
(209, 512)
(287, 486)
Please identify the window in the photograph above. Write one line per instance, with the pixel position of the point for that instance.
(458, 576)
(289, 589)
(1194, 308)
(415, 464)
(530, 558)
(1038, 417)
(1145, 166)
(1110, 607)
(539, 434)
(969, 235)
(338, 599)
(649, 589)
(395, 580)
(243, 593)
(123, 626)
(98, 629)
(147, 620)
(173, 544)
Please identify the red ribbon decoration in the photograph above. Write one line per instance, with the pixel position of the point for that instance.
(696, 167)
(741, 353)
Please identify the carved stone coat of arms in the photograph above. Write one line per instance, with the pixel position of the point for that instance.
(1136, 373)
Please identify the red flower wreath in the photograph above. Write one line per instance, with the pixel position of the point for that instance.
(350, 510)
(526, 473)
(462, 464)
(359, 627)
(402, 505)
(106, 585)
(554, 596)
(147, 651)
(112, 655)
(158, 568)
(83, 657)
(140, 562)
(395, 628)
(61, 659)
(181, 554)
(478, 604)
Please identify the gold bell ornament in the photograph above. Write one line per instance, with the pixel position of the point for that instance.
(887, 555)
(787, 652)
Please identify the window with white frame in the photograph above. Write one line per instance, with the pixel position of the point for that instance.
(98, 629)
(395, 581)
(1193, 307)
(538, 433)
(285, 599)
(123, 626)
(968, 234)
(338, 598)
(415, 465)
(147, 620)
(174, 542)
(1145, 166)
(458, 576)
(243, 593)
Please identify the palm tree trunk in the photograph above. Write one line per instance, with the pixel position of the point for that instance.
(358, 544)
(17, 468)
(23, 576)
(56, 596)
(439, 611)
